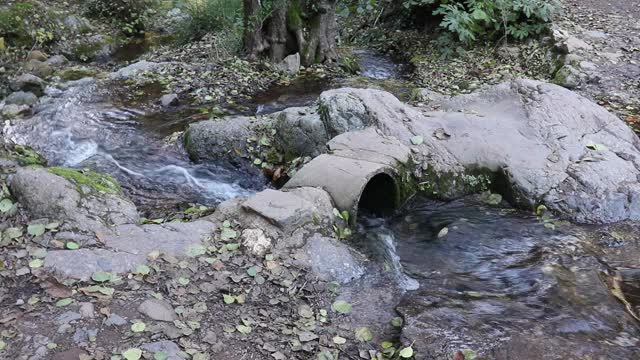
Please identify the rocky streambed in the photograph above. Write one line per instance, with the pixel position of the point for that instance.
(276, 273)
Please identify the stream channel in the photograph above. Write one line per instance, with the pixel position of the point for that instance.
(499, 283)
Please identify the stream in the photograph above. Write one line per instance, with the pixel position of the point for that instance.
(498, 282)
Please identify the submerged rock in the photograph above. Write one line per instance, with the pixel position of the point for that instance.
(11, 111)
(21, 98)
(28, 83)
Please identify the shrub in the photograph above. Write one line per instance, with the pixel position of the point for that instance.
(25, 23)
(210, 16)
(127, 14)
(471, 20)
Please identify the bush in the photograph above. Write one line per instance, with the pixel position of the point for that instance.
(25, 24)
(127, 14)
(471, 20)
(210, 16)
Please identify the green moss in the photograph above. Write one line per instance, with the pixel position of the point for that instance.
(76, 73)
(294, 15)
(96, 181)
(26, 156)
(447, 185)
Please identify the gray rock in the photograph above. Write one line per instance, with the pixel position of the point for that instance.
(159, 310)
(12, 111)
(67, 317)
(88, 48)
(573, 44)
(38, 68)
(173, 238)
(115, 320)
(50, 196)
(587, 65)
(331, 260)
(290, 64)
(300, 132)
(77, 24)
(171, 349)
(21, 98)
(568, 77)
(57, 61)
(28, 83)
(511, 130)
(72, 354)
(286, 210)
(594, 34)
(216, 140)
(81, 264)
(132, 70)
(169, 100)
(87, 310)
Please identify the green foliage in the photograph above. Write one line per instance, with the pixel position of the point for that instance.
(461, 21)
(211, 16)
(472, 20)
(129, 15)
(26, 23)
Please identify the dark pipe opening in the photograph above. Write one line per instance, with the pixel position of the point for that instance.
(379, 196)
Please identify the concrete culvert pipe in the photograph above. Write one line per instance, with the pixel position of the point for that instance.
(353, 184)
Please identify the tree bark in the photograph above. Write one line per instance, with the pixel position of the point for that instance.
(322, 46)
(304, 26)
(253, 41)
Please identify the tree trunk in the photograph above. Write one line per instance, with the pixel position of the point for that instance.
(291, 26)
(278, 30)
(254, 44)
(322, 46)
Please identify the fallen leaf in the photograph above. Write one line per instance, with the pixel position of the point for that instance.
(132, 354)
(341, 307)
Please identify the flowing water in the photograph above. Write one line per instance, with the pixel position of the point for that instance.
(94, 126)
(498, 282)
(86, 130)
(502, 283)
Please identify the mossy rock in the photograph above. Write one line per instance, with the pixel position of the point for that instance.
(97, 47)
(22, 155)
(76, 73)
(86, 178)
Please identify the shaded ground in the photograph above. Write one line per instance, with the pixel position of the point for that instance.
(611, 29)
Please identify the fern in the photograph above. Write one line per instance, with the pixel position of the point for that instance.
(471, 20)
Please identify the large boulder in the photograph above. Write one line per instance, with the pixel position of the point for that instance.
(85, 203)
(534, 142)
(300, 132)
(217, 140)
